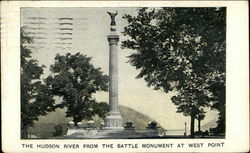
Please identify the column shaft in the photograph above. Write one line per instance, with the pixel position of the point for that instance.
(113, 78)
(114, 120)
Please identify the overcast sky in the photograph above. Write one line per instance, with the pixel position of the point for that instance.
(90, 27)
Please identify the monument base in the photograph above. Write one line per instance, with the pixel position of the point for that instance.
(113, 122)
(111, 134)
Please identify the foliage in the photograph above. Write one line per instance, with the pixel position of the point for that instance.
(75, 80)
(101, 109)
(36, 99)
(58, 130)
(218, 89)
(183, 50)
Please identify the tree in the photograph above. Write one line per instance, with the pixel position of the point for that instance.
(183, 50)
(218, 89)
(200, 116)
(36, 99)
(75, 80)
(191, 102)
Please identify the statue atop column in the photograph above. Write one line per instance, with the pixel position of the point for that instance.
(112, 17)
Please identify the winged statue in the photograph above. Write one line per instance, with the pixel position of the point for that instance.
(112, 17)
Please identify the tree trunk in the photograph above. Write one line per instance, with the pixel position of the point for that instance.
(24, 133)
(75, 121)
(199, 125)
(192, 126)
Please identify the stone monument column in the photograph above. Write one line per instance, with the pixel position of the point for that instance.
(114, 120)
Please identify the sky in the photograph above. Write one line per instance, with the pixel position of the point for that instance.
(87, 34)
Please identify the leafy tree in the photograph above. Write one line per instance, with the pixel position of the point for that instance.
(75, 80)
(183, 50)
(36, 99)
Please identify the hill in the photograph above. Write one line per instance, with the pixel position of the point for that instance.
(44, 127)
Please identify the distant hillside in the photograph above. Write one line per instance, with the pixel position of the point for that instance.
(44, 127)
(140, 120)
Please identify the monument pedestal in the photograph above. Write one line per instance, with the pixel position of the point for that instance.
(113, 122)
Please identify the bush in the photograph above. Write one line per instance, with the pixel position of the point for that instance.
(58, 130)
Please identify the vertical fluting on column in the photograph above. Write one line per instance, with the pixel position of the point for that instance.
(114, 120)
(113, 74)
